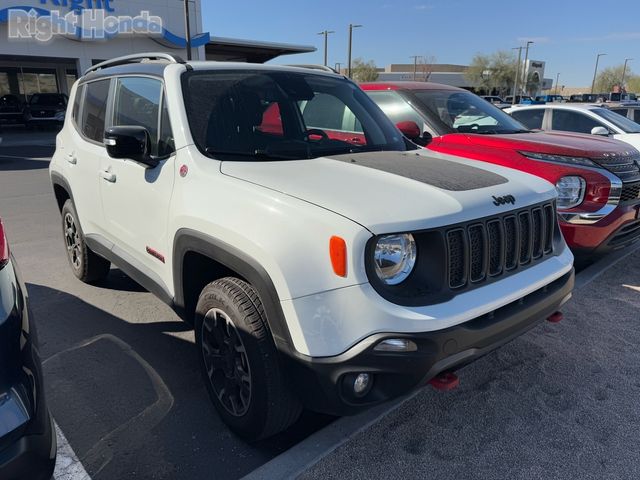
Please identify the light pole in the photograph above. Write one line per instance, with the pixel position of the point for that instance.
(525, 69)
(415, 65)
(486, 76)
(187, 28)
(351, 27)
(557, 80)
(326, 42)
(515, 84)
(595, 72)
(624, 72)
(338, 65)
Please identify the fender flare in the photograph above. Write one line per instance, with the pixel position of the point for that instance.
(58, 179)
(188, 240)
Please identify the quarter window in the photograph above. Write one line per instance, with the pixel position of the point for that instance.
(137, 102)
(95, 108)
(569, 121)
(76, 104)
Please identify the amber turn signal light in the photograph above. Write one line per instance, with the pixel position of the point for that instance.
(338, 254)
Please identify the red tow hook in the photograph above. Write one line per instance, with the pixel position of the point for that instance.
(445, 381)
(555, 317)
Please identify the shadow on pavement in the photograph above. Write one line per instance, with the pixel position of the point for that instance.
(16, 164)
(130, 398)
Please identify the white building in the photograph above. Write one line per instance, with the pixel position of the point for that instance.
(85, 32)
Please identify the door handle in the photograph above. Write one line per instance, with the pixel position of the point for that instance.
(72, 159)
(108, 176)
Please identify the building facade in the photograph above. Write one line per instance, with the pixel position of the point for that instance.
(46, 44)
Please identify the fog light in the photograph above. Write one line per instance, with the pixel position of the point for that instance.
(396, 345)
(362, 384)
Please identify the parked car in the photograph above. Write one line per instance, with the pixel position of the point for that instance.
(630, 110)
(586, 98)
(598, 179)
(11, 109)
(319, 268)
(46, 109)
(521, 99)
(579, 118)
(549, 98)
(497, 101)
(27, 435)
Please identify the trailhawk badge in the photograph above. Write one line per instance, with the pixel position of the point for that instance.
(497, 201)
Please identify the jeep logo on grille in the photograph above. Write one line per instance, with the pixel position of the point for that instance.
(497, 201)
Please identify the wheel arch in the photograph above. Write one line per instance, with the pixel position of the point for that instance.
(61, 189)
(199, 259)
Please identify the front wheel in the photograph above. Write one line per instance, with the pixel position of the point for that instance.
(240, 363)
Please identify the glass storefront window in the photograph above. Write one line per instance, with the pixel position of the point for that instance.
(37, 81)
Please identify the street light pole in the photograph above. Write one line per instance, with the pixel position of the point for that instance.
(187, 28)
(415, 65)
(557, 80)
(624, 72)
(326, 43)
(595, 72)
(351, 27)
(525, 68)
(515, 84)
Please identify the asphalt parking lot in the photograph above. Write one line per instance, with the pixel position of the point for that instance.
(123, 385)
(120, 368)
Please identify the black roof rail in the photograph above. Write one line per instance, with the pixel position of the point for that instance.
(136, 58)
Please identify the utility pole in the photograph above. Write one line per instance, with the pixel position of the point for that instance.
(595, 72)
(624, 73)
(351, 27)
(187, 28)
(515, 84)
(557, 80)
(525, 69)
(415, 65)
(326, 42)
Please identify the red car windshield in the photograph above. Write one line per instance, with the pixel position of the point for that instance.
(464, 112)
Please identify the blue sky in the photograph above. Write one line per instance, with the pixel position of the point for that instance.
(567, 33)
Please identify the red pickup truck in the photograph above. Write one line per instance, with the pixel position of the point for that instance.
(598, 179)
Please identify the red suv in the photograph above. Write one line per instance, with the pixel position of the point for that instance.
(598, 179)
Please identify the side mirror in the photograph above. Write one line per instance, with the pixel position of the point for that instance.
(600, 131)
(130, 142)
(409, 129)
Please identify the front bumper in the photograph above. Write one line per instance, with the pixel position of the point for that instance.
(617, 230)
(324, 384)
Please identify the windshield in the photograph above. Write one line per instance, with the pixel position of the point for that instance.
(464, 112)
(264, 115)
(49, 100)
(623, 123)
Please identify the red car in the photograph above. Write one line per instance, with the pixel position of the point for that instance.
(598, 179)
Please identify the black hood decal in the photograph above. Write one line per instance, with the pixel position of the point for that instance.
(443, 174)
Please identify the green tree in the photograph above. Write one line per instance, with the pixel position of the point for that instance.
(494, 71)
(362, 71)
(610, 77)
(633, 83)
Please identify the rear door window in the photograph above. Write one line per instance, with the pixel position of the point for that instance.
(568, 121)
(532, 119)
(636, 115)
(397, 108)
(95, 109)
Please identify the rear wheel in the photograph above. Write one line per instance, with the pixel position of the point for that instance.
(85, 264)
(240, 363)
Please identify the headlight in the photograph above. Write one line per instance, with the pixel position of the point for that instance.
(549, 157)
(570, 191)
(395, 257)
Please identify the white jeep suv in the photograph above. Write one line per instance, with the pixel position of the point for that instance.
(323, 260)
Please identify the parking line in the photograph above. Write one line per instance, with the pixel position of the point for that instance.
(68, 467)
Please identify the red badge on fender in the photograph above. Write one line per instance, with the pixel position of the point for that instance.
(184, 170)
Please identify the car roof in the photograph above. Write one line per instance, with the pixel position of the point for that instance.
(566, 106)
(408, 86)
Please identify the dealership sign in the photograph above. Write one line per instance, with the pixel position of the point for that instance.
(87, 20)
